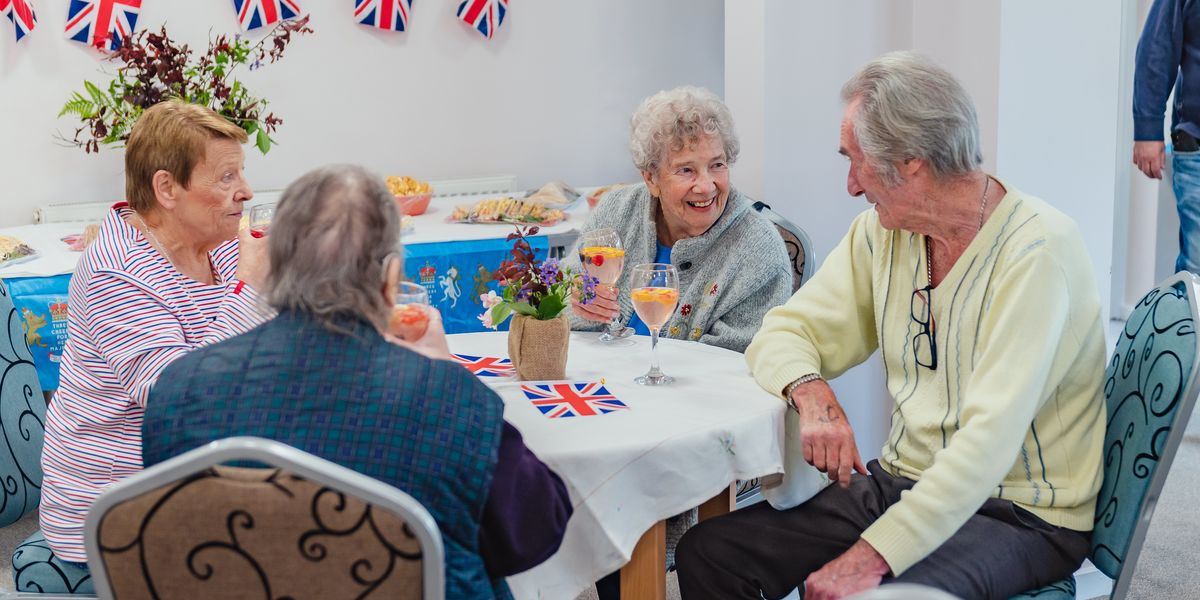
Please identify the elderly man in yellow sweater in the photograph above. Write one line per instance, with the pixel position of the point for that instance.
(981, 301)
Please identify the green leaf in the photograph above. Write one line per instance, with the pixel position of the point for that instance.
(524, 308)
(96, 94)
(500, 312)
(262, 141)
(550, 306)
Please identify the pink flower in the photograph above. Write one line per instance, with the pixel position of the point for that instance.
(486, 319)
(489, 300)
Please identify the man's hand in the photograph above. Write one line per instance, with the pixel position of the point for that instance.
(857, 569)
(1150, 158)
(602, 309)
(825, 433)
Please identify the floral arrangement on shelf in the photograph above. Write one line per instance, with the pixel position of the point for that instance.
(155, 68)
(536, 289)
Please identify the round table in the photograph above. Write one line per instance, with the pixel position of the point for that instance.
(671, 449)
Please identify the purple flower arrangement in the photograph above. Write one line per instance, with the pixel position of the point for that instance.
(537, 289)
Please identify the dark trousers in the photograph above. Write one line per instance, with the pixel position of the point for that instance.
(1001, 551)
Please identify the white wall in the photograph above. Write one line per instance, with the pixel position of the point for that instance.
(1062, 114)
(548, 98)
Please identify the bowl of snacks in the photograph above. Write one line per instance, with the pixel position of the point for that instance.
(594, 198)
(412, 195)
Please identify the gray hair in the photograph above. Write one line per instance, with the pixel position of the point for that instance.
(673, 119)
(332, 230)
(910, 107)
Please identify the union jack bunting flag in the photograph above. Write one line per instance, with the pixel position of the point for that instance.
(103, 24)
(486, 16)
(485, 366)
(384, 14)
(253, 14)
(561, 400)
(20, 12)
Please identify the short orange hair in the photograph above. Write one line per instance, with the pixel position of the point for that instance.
(170, 136)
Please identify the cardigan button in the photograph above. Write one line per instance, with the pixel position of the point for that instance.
(685, 265)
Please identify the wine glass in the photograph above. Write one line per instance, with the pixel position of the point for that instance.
(410, 315)
(655, 293)
(260, 219)
(603, 257)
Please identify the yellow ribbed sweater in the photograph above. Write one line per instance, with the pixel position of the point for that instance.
(1015, 407)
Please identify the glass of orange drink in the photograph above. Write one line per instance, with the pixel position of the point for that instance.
(655, 293)
(603, 257)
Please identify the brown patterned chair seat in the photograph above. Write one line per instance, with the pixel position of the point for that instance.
(230, 532)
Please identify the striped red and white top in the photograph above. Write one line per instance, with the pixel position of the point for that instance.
(130, 314)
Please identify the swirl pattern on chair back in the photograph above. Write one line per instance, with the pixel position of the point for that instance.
(256, 533)
(1144, 386)
(22, 415)
(795, 252)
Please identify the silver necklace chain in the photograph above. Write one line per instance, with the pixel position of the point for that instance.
(987, 183)
(166, 254)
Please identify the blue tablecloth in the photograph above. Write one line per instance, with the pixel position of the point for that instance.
(454, 273)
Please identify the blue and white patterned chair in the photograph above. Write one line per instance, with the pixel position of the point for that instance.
(1150, 388)
(22, 413)
(22, 418)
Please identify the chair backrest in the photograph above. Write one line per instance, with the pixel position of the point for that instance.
(22, 418)
(799, 247)
(302, 527)
(1150, 388)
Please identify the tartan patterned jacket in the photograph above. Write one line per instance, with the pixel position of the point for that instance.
(427, 427)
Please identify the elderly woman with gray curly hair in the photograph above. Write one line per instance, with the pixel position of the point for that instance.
(732, 265)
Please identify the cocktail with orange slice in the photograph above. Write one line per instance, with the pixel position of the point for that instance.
(603, 257)
(655, 295)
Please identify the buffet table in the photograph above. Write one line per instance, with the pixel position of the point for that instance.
(453, 261)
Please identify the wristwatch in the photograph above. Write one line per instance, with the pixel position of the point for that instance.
(791, 387)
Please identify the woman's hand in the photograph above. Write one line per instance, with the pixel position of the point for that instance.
(825, 434)
(433, 343)
(253, 260)
(602, 309)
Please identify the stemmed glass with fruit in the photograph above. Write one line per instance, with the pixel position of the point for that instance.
(603, 257)
(655, 293)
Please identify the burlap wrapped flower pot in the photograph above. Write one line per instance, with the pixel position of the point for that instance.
(538, 349)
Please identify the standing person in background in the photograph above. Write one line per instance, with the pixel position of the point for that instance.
(1168, 57)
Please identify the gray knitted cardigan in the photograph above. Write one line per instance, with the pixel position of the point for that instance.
(728, 277)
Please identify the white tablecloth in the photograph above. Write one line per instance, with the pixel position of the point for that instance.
(432, 226)
(55, 258)
(675, 447)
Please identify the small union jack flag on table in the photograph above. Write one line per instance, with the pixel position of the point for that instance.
(485, 16)
(384, 14)
(253, 14)
(103, 24)
(20, 12)
(485, 366)
(561, 400)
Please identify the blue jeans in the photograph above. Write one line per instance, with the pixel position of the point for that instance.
(1186, 182)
